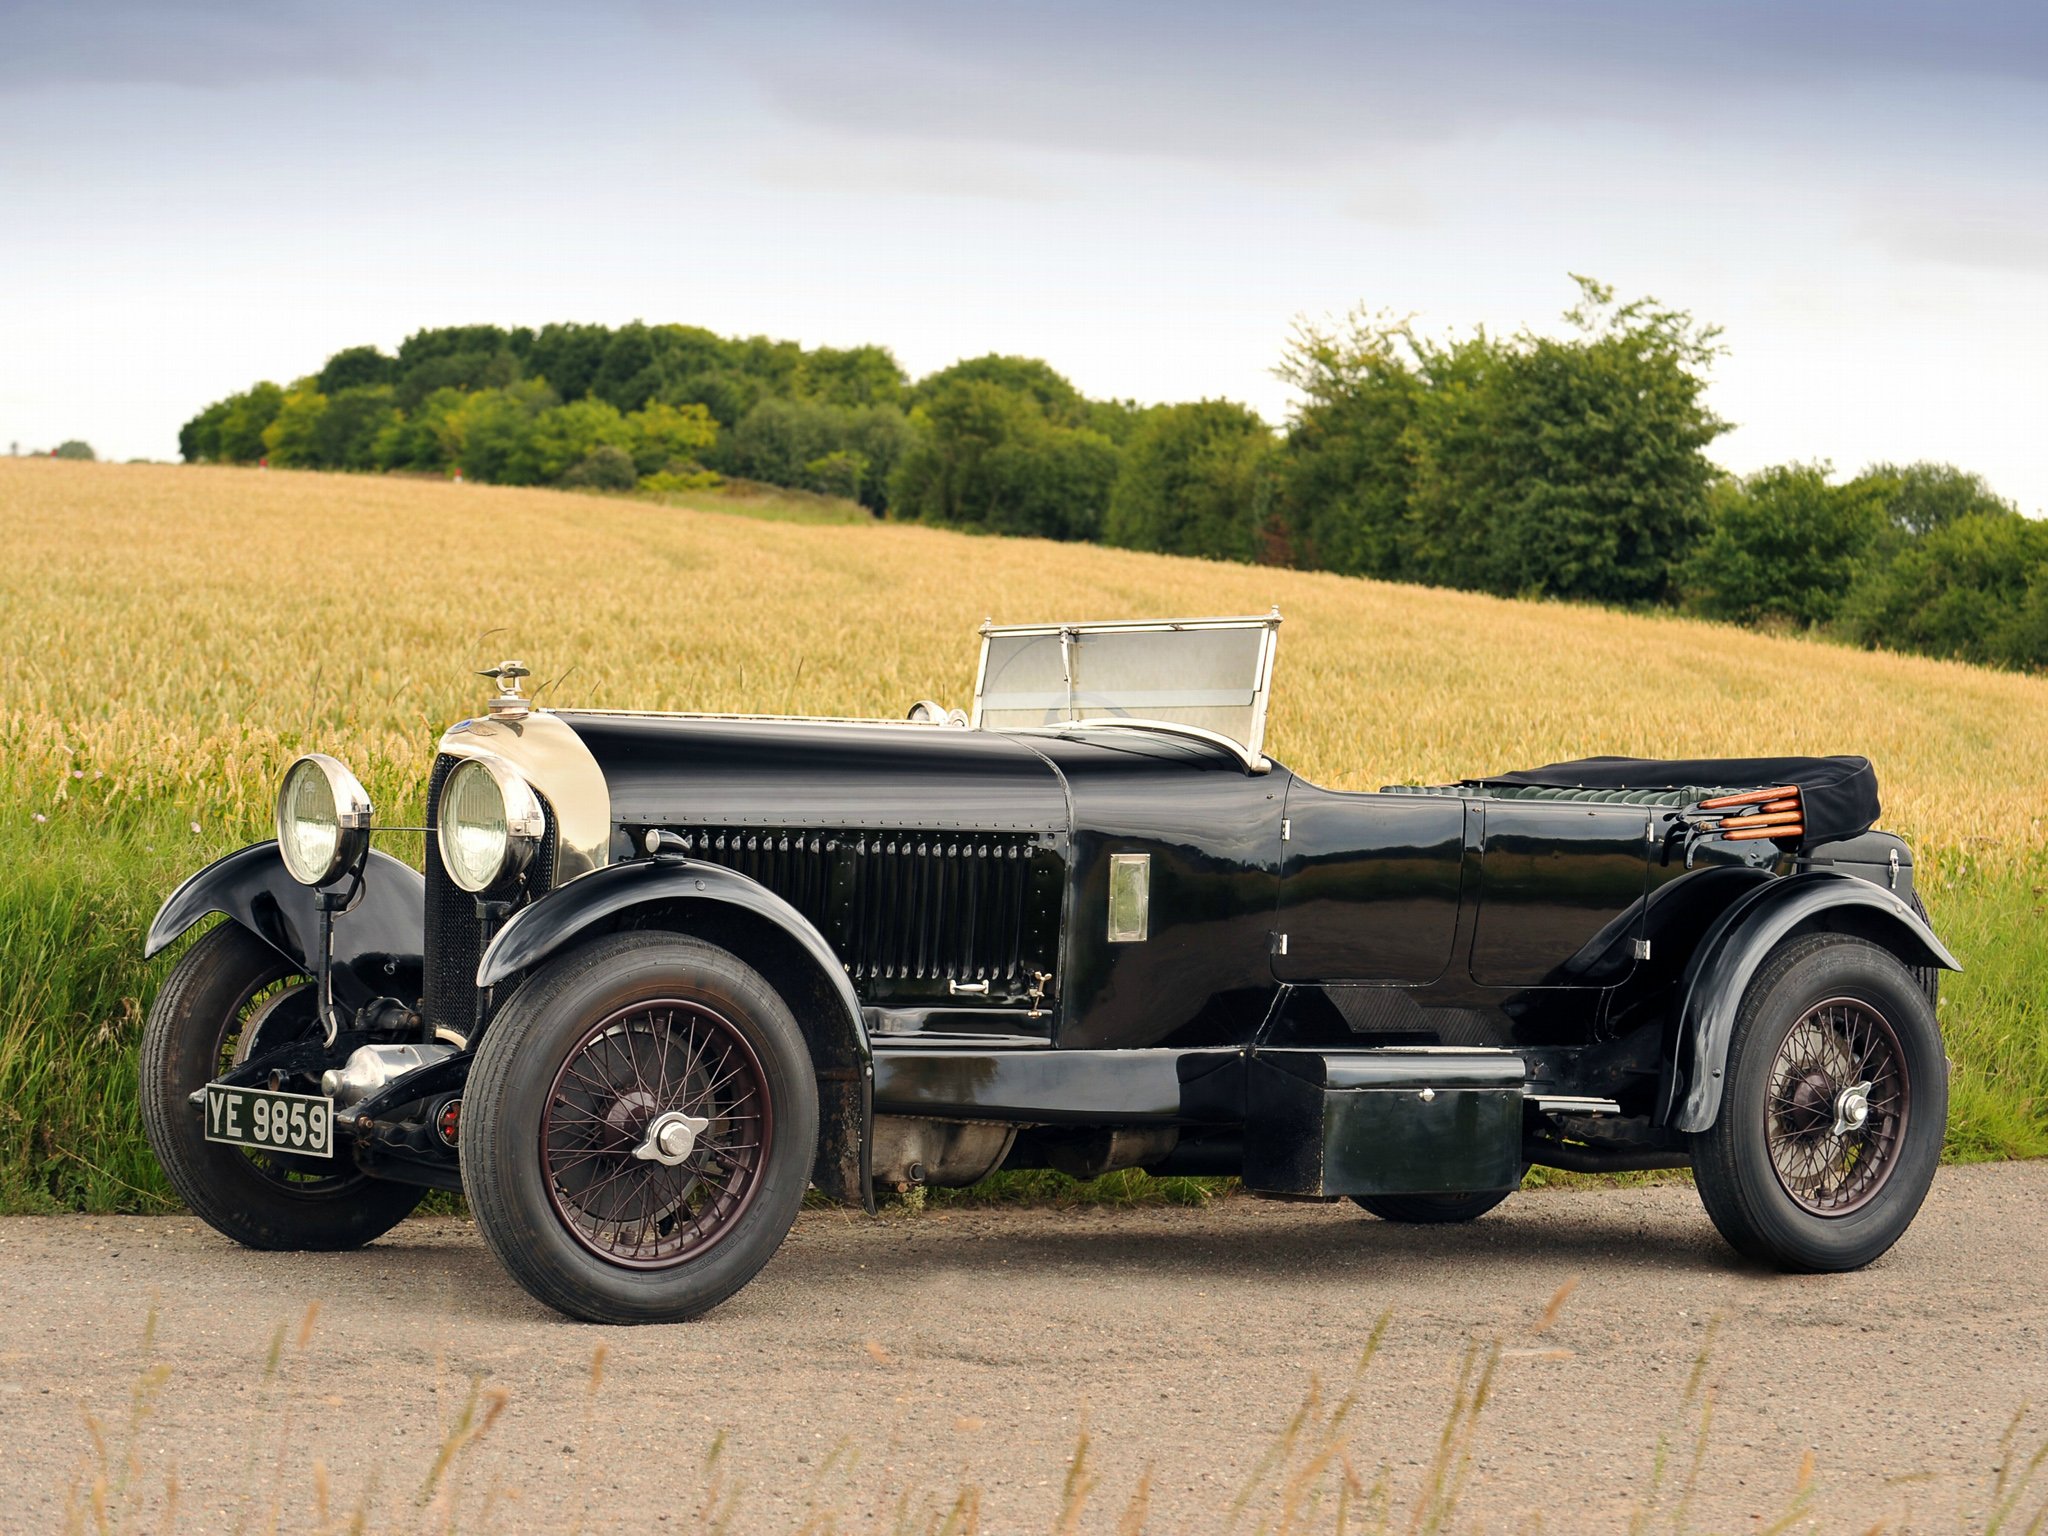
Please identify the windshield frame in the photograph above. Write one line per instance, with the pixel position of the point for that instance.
(1250, 752)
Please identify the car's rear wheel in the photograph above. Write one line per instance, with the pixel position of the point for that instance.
(639, 1128)
(1834, 1110)
(230, 996)
(1432, 1210)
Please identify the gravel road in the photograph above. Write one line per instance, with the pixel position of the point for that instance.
(913, 1357)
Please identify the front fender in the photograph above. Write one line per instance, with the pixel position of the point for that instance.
(771, 934)
(377, 942)
(1742, 939)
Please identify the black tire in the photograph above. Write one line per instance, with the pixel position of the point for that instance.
(1848, 1195)
(261, 1200)
(551, 1098)
(1929, 976)
(1432, 1210)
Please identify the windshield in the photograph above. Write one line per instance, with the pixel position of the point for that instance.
(1204, 674)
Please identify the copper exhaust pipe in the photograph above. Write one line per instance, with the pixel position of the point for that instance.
(1767, 819)
(1752, 797)
(1763, 832)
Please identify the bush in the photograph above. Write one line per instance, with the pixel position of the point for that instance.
(1975, 589)
(1782, 546)
(242, 427)
(289, 440)
(606, 467)
(73, 448)
(493, 431)
(1193, 480)
(985, 456)
(349, 430)
(199, 438)
(670, 436)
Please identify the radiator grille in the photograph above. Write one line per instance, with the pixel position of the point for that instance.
(454, 933)
(908, 907)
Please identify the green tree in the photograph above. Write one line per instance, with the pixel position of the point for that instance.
(73, 448)
(607, 467)
(240, 439)
(851, 376)
(1193, 480)
(291, 439)
(1583, 469)
(838, 473)
(1571, 467)
(1782, 546)
(1975, 588)
(493, 433)
(565, 435)
(1919, 498)
(470, 358)
(878, 436)
(780, 441)
(777, 438)
(1349, 467)
(199, 438)
(429, 437)
(1057, 400)
(356, 368)
(349, 430)
(670, 438)
(986, 457)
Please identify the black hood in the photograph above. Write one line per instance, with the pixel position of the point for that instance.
(676, 770)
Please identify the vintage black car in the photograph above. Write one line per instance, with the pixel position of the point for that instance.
(664, 973)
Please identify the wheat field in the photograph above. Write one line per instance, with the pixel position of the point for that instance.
(177, 634)
(170, 637)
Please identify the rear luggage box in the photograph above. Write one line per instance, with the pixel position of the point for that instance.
(1383, 1122)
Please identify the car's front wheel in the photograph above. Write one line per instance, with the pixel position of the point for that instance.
(231, 997)
(638, 1129)
(1834, 1109)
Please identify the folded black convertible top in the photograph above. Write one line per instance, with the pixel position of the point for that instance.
(1839, 794)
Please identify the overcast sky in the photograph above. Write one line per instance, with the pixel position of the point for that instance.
(196, 195)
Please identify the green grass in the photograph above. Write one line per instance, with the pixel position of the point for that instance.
(77, 893)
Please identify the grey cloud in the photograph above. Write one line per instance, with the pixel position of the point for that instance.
(210, 44)
(1316, 81)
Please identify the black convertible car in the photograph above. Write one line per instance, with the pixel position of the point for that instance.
(665, 972)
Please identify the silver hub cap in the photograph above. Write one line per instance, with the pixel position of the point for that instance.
(671, 1137)
(1852, 1108)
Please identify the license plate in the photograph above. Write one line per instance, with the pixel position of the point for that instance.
(277, 1122)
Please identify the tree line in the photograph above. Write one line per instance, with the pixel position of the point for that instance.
(1570, 466)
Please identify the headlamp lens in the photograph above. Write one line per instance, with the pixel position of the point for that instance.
(323, 818)
(475, 836)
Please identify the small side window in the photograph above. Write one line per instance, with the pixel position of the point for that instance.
(1130, 897)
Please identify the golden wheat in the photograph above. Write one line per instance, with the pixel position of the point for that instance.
(176, 634)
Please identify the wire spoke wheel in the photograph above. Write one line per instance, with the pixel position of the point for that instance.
(654, 1133)
(1837, 1106)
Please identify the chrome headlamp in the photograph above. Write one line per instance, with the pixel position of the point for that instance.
(323, 820)
(489, 825)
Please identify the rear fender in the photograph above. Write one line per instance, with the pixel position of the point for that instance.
(377, 941)
(727, 908)
(1741, 941)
